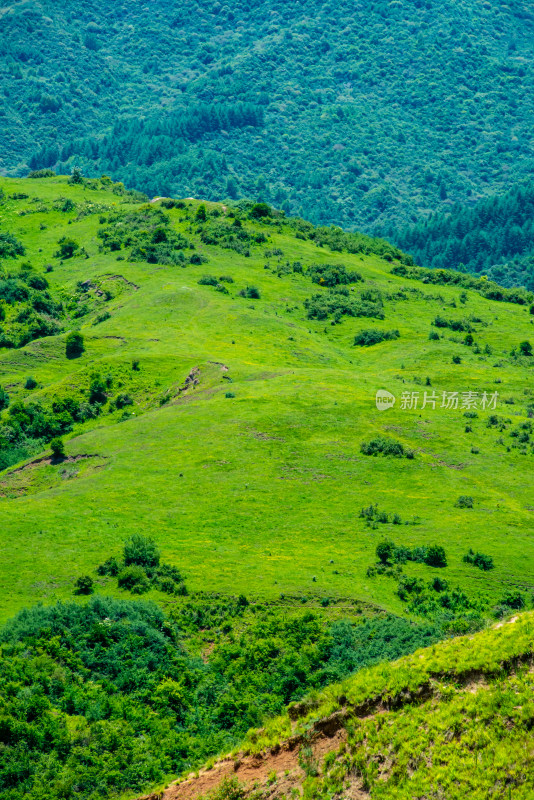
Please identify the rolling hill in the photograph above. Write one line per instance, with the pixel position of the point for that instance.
(219, 378)
(238, 439)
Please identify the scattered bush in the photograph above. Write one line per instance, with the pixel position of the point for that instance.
(385, 551)
(84, 585)
(333, 275)
(386, 447)
(30, 383)
(514, 600)
(464, 501)
(134, 579)
(435, 556)
(479, 560)
(252, 292)
(58, 449)
(141, 551)
(110, 567)
(371, 336)
(74, 345)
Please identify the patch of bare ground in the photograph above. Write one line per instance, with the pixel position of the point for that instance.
(45, 460)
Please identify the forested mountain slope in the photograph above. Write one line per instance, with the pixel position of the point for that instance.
(495, 236)
(357, 113)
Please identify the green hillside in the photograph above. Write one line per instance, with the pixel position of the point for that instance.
(206, 376)
(230, 428)
(360, 114)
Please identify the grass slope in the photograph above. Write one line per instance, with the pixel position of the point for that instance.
(453, 721)
(260, 492)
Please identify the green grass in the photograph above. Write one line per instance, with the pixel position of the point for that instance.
(259, 493)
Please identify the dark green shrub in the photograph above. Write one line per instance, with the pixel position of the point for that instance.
(456, 360)
(30, 384)
(479, 560)
(84, 585)
(10, 247)
(202, 214)
(4, 399)
(525, 348)
(252, 292)
(513, 600)
(385, 550)
(464, 501)
(332, 275)
(260, 211)
(435, 556)
(109, 567)
(134, 579)
(141, 551)
(68, 248)
(58, 449)
(208, 280)
(74, 345)
(197, 258)
(386, 447)
(372, 336)
(41, 173)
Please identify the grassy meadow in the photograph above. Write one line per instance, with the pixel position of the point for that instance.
(251, 479)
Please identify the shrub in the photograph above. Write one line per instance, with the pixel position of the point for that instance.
(372, 336)
(84, 585)
(333, 275)
(260, 211)
(10, 247)
(58, 449)
(385, 551)
(386, 447)
(123, 400)
(4, 399)
(464, 501)
(456, 360)
(197, 258)
(435, 556)
(208, 280)
(134, 579)
(74, 345)
(141, 551)
(513, 600)
(433, 336)
(31, 383)
(252, 292)
(201, 215)
(109, 567)
(479, 560)
(525, 348)
(42, 173)
(67, 248)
